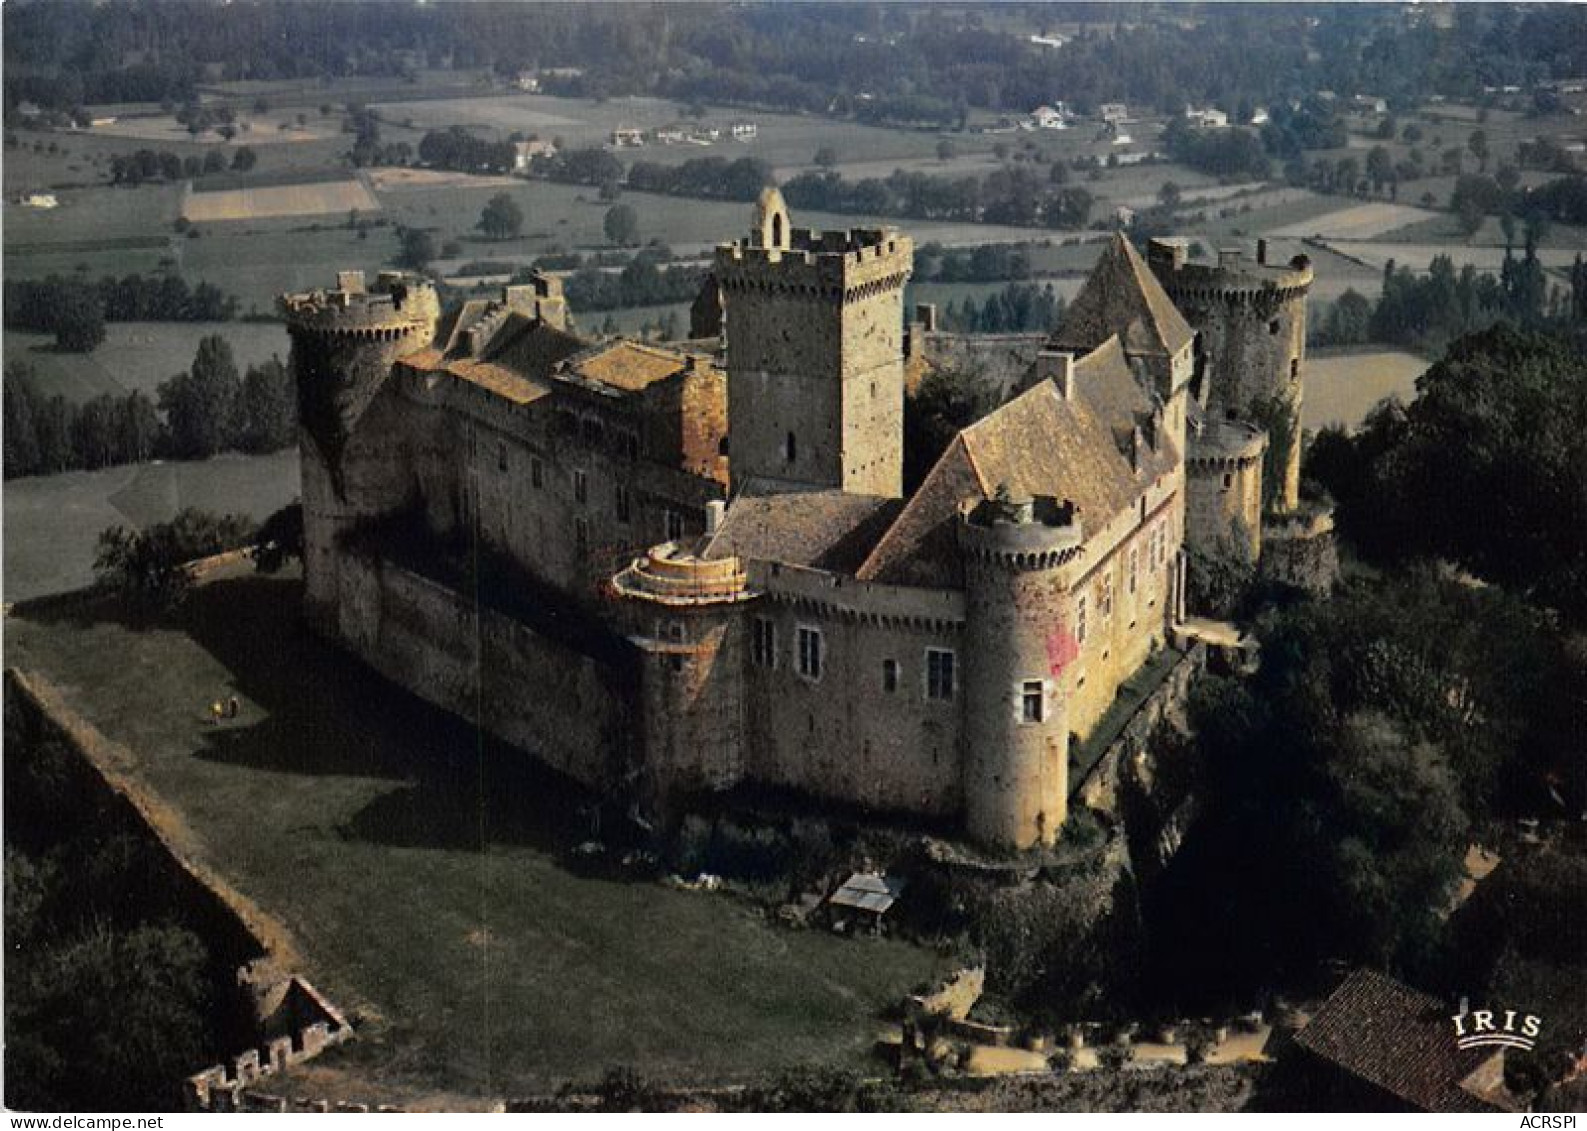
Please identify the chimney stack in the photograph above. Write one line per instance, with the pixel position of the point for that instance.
(1057, 366)
(715, 511)
(1261, 253)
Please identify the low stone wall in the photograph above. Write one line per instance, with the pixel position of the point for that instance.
(217, 1089)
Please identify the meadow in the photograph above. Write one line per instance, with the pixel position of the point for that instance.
(53, 522)
(1343, 385)
(423, 870)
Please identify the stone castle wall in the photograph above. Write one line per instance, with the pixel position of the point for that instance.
(1223, 504)
(574, 711)
(845, 736)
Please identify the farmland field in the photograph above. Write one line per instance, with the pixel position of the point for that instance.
(137, 355)
(279, 200)
(1342, 385)
(52, 522)
(1356, 222)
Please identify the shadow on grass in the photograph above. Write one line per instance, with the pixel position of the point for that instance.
(317, 710)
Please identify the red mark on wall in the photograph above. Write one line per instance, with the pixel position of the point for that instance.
(1062, 649)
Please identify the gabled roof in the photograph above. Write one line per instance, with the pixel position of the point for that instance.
(831, 530)
(1397, 1039)
(1121, 296)
(1039, 443)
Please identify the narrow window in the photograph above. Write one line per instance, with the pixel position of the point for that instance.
(1272, 327)
(765, 643)
(501, 457)
(889, 676)
(624, 503)
(810, 652)
(537, 473)
(791, 448)
(1032, 702)
(1228, 480)
(1080, 620)
(581, 486)
(1294, 369)
(1135, 566)
(1105, 597)
(674, 524)
(581, 536)
(939, 674)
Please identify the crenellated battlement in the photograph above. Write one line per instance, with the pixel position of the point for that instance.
(1021, 534)
(1232, 279)
(849, 266)
(397, 305)
(671, 575)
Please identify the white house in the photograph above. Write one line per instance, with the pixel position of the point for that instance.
(745, 131)
(1113, 112)
(1049, 117)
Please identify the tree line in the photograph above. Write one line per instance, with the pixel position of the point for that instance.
(1426, 312)
(208, 409)
(76, 310)
(162, 165)
(1015, 196)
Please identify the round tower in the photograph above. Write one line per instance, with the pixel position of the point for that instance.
(1250, 317)
(684, 614)
(1020, 560)
(344, 342)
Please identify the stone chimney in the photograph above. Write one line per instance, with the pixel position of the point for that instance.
(715, 512)
(926, 316)
(1261, 253)
(1057, 366)
(350, 282)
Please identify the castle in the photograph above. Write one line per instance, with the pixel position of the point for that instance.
(668, 570)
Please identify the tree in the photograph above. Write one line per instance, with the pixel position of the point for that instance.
(200, 405)
(621, 226)
(1380, 167)
(138, 428)
(20, 428)
(267, 408)
(501, 218)
(946, 150)
(244, 159)
(1478, 144)
(417, 248)
(1168, 194)
(826, 157)
(79, 319)
(280, 539)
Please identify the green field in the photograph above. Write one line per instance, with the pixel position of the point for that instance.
(137, 355)
(421, 870)
(52, 522)
(1343, 385)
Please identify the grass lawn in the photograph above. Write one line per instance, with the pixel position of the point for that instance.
(421, 870)
(52, 522)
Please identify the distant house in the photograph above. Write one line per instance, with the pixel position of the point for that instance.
(746, 131)
(1379, 1045)
(528, 82)
(1123, 139)
(1208, 119)
(1124, 216)
(671, 135)
(525, 152)
(110, 121)
(1049, 117)
(1113, 113)
(1370, 104)
(1048, 40)
(705, 135)
(1132, 158)
(40, 200)
(1259, 117)
(627, 137)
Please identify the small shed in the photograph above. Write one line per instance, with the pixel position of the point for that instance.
(862, 900)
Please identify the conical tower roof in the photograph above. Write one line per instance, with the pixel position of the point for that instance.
(1123, 297)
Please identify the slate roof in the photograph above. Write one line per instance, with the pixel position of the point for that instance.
(1397, 1039)
(625, 366)
(1080, 449)
(830, 530)
(1121, 296)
